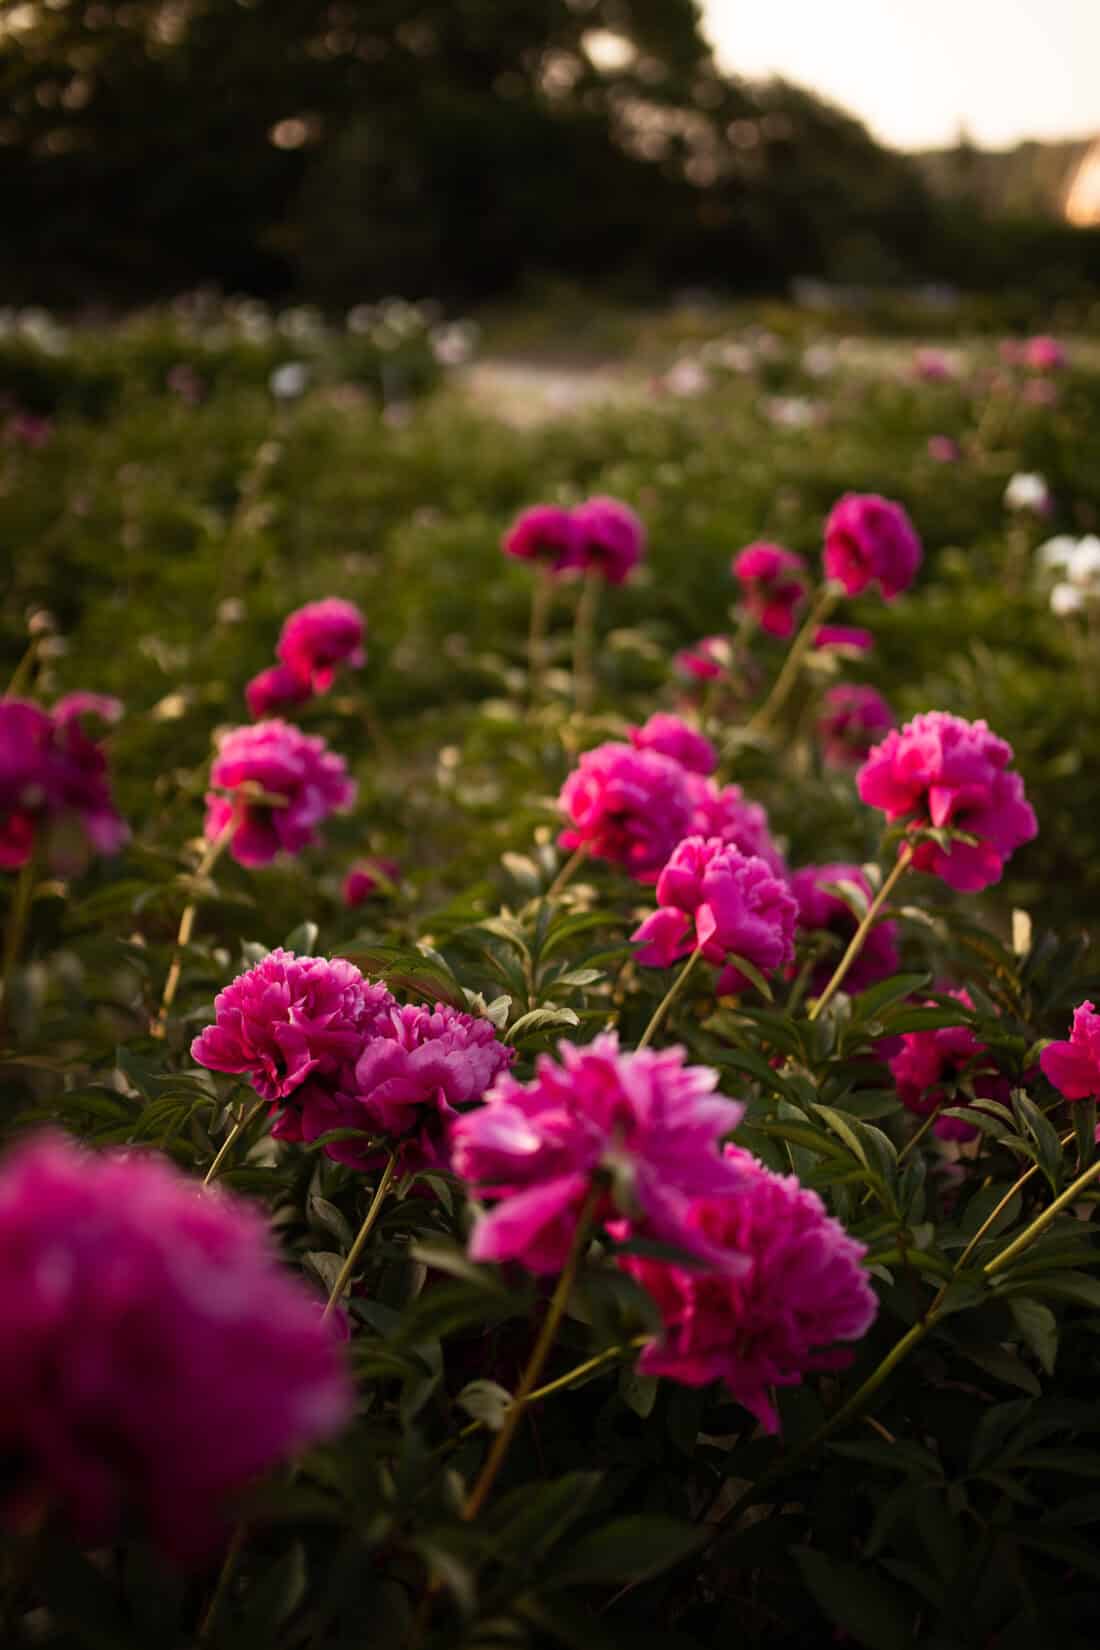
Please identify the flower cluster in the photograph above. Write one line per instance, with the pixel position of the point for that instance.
(713, 898)
(630, 807)
(824, 913)
(870, 540)
(601, 535)
(723, 811)
(313, 642)
(942, 772)
(55, 793)
(281, 784)
(154, 1355)
(774, 584)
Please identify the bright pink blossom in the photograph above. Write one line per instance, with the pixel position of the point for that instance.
(645, 1120)
(869, 540)
(547, 534)
(724, 811)
(1074, 1066)
(804, 1290)
(942, 771)
(1044, 354)
(708, 659)
(712, 896)
(611, 538)
(671, 736)
(368, 877)
(820, 912)
(155, 1356)
(282, 784)
(852, 717)
(319, 637)
(774, 583)
(844, 635)
(54, 786)
(930, 1066)
(274, 688)
(627, 806)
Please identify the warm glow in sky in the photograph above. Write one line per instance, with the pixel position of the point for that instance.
(914, 70)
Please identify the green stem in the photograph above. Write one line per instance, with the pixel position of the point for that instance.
(541, 598)
(345, 1273)
(211, 855)
(904, 860)
(991, 1219)
(230, 1140)
(568, 871)
(584, 640)
(14, 932)
(668, 999)
(915, 1139)
(221, 1586)
(541, 1351)
(608, 1355)
(22, 670)
(826, 600)
(1041, 1222)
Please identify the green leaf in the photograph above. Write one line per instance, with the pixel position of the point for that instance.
(855, 1600)
(1039, 1327)
(302, 939)
(751, 973)
(628, 1549)
(538, 1019)
(870, 1003)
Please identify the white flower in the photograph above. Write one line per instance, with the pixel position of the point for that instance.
(1027, 492)
(1064, 599)
(1084, 563)
(289, 381)
(1056, 552)
(686, 378)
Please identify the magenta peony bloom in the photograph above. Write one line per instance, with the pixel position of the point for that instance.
(368, 877)
(292, 1020)
(942, 771)
(54, 786)
(547, 534)
(273, 688)
(724, 812)
(712, 896)
(820, 912)
(931, 1064)
(319, 637)
(417, 1065)
(868, 540)
(1074, 1066)
(627, 806)
(670, 736)
(300, 780)
(610, 537)
(774, 584)
(706, 661)
(1044, 354)
(805, 1289)
(852, 717)
(155, 1357)
(844, 635)
(647, 1121)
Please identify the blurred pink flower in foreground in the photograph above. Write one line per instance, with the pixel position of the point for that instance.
(55, 791)
(774, 583)
(155, 1357)
(941, 771)
(870, 540)
(628, 806)
(712, 896)
(646, 1121)
(318, 638)
(281, 782)
(804, 1289)
(1074, 1066)
(547, 534)
(844, 636)
(851, 718)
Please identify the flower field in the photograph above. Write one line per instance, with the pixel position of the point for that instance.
(546, 1034)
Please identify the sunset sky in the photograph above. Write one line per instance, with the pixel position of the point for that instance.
(915, 70)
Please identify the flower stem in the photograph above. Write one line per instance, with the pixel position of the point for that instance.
(608, 1355)
(584, 640)
(915, 1139)
(14, 931)
(781, 688)
(23, 669)
(211, 855)
(221, 1586)
(568, 871)
(541, 598)
(990, 1219)
(904, 860)
(345, 1273)
(1039, 1225)
(668, 999)
(558, 1302)
(230, 1140)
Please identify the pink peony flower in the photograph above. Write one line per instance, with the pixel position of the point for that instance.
(868, 540)
(645, 1120)
(820, 912)
(706, 661)
(368, 877)
(417, 1065)
(852, 717)
(931, 1064)
(610, 537)
(932, 366)
(724, 812)
(774, 584)
(1044, 354)
(670, 736)
(943, 449)
(805, 1289)
(300, 782)
(844, 636)
(712, 896)
(547, 534)
(54, 787)
(944, 772)
(291, 1021)
(628, 806)
(319, 637)
(273, 688)
(1074, 1066)
(155, 1357)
